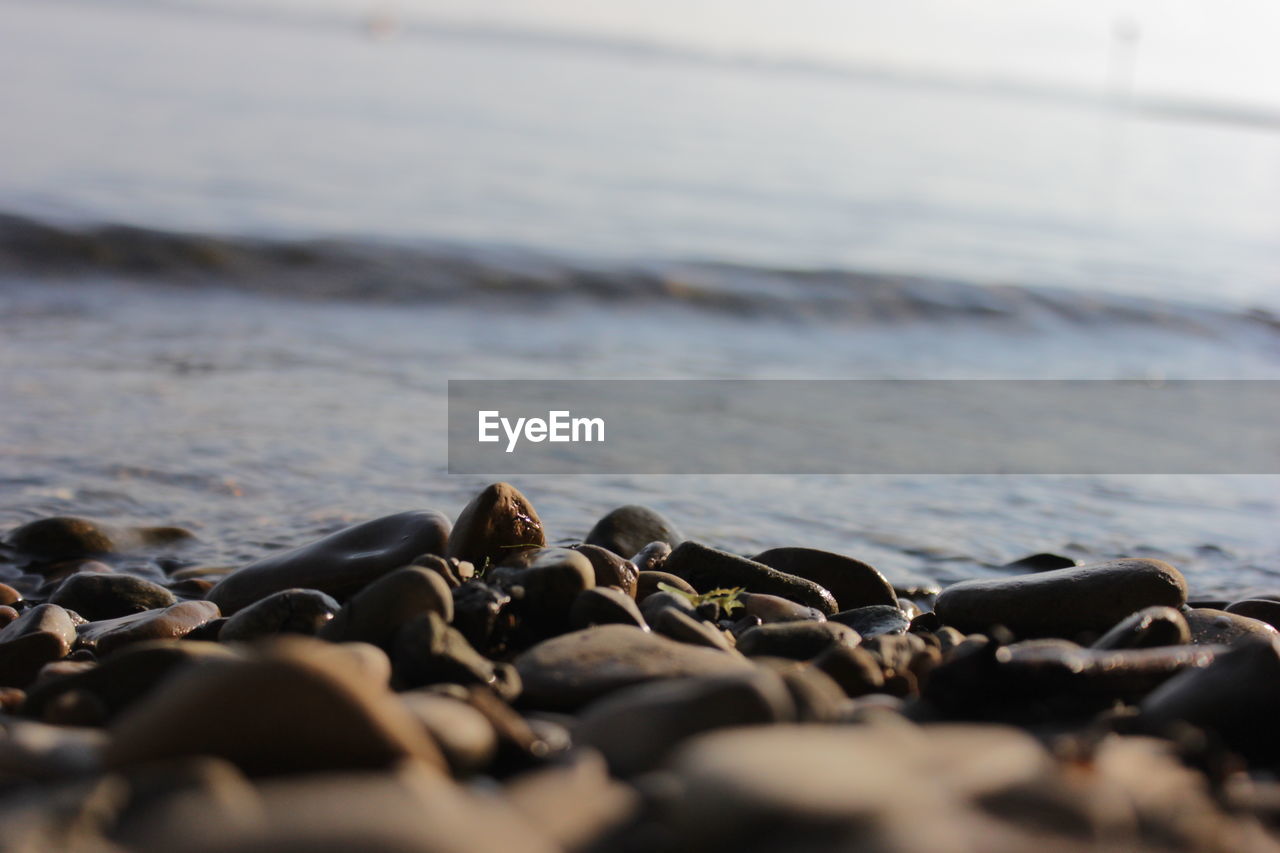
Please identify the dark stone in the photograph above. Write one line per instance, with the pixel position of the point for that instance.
(1262, 609)
(873, 620)
(498, 521)
(49, 540)
(627, 529)
(707, 568)
(168, 623)
(680, 625)
(568, 671)
(42, 634)
(610, 569)
(852, 582)
(1218, 627)
(773, 608)
(1063, 602)
(1042, 562)
(605, 605)
(795, 640)
(543, 591)
(454, 571)
(109, 596)
(464, 734)
(340, 563)
(290, 611)
(647, 584)
(816, 697)
(1148, 628)
(652, 557)
(375, 613)
(479, 612)
(854, 669)
(428, 651)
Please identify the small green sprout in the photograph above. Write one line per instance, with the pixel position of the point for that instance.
(726, 598)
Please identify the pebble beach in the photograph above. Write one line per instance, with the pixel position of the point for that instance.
(420, 683)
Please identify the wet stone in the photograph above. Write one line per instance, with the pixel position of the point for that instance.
(568, 671)
(1063, 602)
(772, 608)
(169, 623)
(852, 582)
(49, 540)
(109, 596)
(375, 613)
(796, 640)
(290, 611)
(1218, 627)
(428, 651)
(497, 521)
(874, 620)
(708, 568)
(42, 634)
(1148, 628)
(479, 614)
(610, 569)
(339, 564)
(628, 529)
(1264, 610)
(543, 591)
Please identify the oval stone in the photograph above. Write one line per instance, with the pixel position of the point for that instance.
(852, 582)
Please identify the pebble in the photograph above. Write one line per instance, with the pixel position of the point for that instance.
(42, 634)
(428, 651)
(454, 571)
(816, 696)
(1041, 562)
(874, 620)
(479, 613)
(294, 705)
(707, 568)
(637, 727)
(9, 595)
(1062, 602)
(44, 753)
(1218, 627)
(543, 589)
(375, 613)
(290, 611)
(772, 608)
(575, 802)
(49, 540)
(568, 671)
(1148, 628)
(647, 584)
(610, 569)
(109, 596)
(854, 669)
(340, 563)
(498, 521)
(652, 557)
(1262, 609)
(465, 736)
(605, 605)
(168, 623)
(796, 640)
(686, 628)
(7, 615)
(852, 582)
(628, 529)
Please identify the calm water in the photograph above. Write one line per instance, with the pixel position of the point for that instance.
(1069, 243)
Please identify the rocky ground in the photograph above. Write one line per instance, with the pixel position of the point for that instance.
(408, 684)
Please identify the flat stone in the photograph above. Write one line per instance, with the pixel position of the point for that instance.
(796, 640)
(1148, 628)
(340, 563)
(852, 582)
(109, 596)
(627, 529)
(290, 611)
(874, 620)
(496, 522)
(1063, 602)
(294, 705)
(168, 623)
(1041, 562)
(568, 671)
(708, 568)
(42, 634)
(375, 613)
(1218, 627)
(610, 569)
(637, 727)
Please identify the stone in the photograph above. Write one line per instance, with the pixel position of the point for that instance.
(852, 582)
(454, 571)
(543, 591)
(340, 563)
(1062, 602)
(48, 540)
(9, 595)
(1042, 562)
(652, 557)
(7, 615)
(496, 522)
(605, 605)
(637, 727)
(707, 568)
(647, 584)
(628, 529)
(124, 678)
(169, 623)
(684, 627)
(796, 640)
(816, 696)
(1235, 697)
(874, 620)
(427, 651)
(290, 611)
(480, 615)
(40, 752)
(575, 802)
(191, 798)
(293, 705)
(1264, 610)
(464, 734)
(1218, 627)
(109, 596)
(1148, 628)
(42, 634)
(773, 608)
(376, 613)
(610, 569)
(854, 669)
(568, 671)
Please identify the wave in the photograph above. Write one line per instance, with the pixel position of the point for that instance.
(368, 270)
